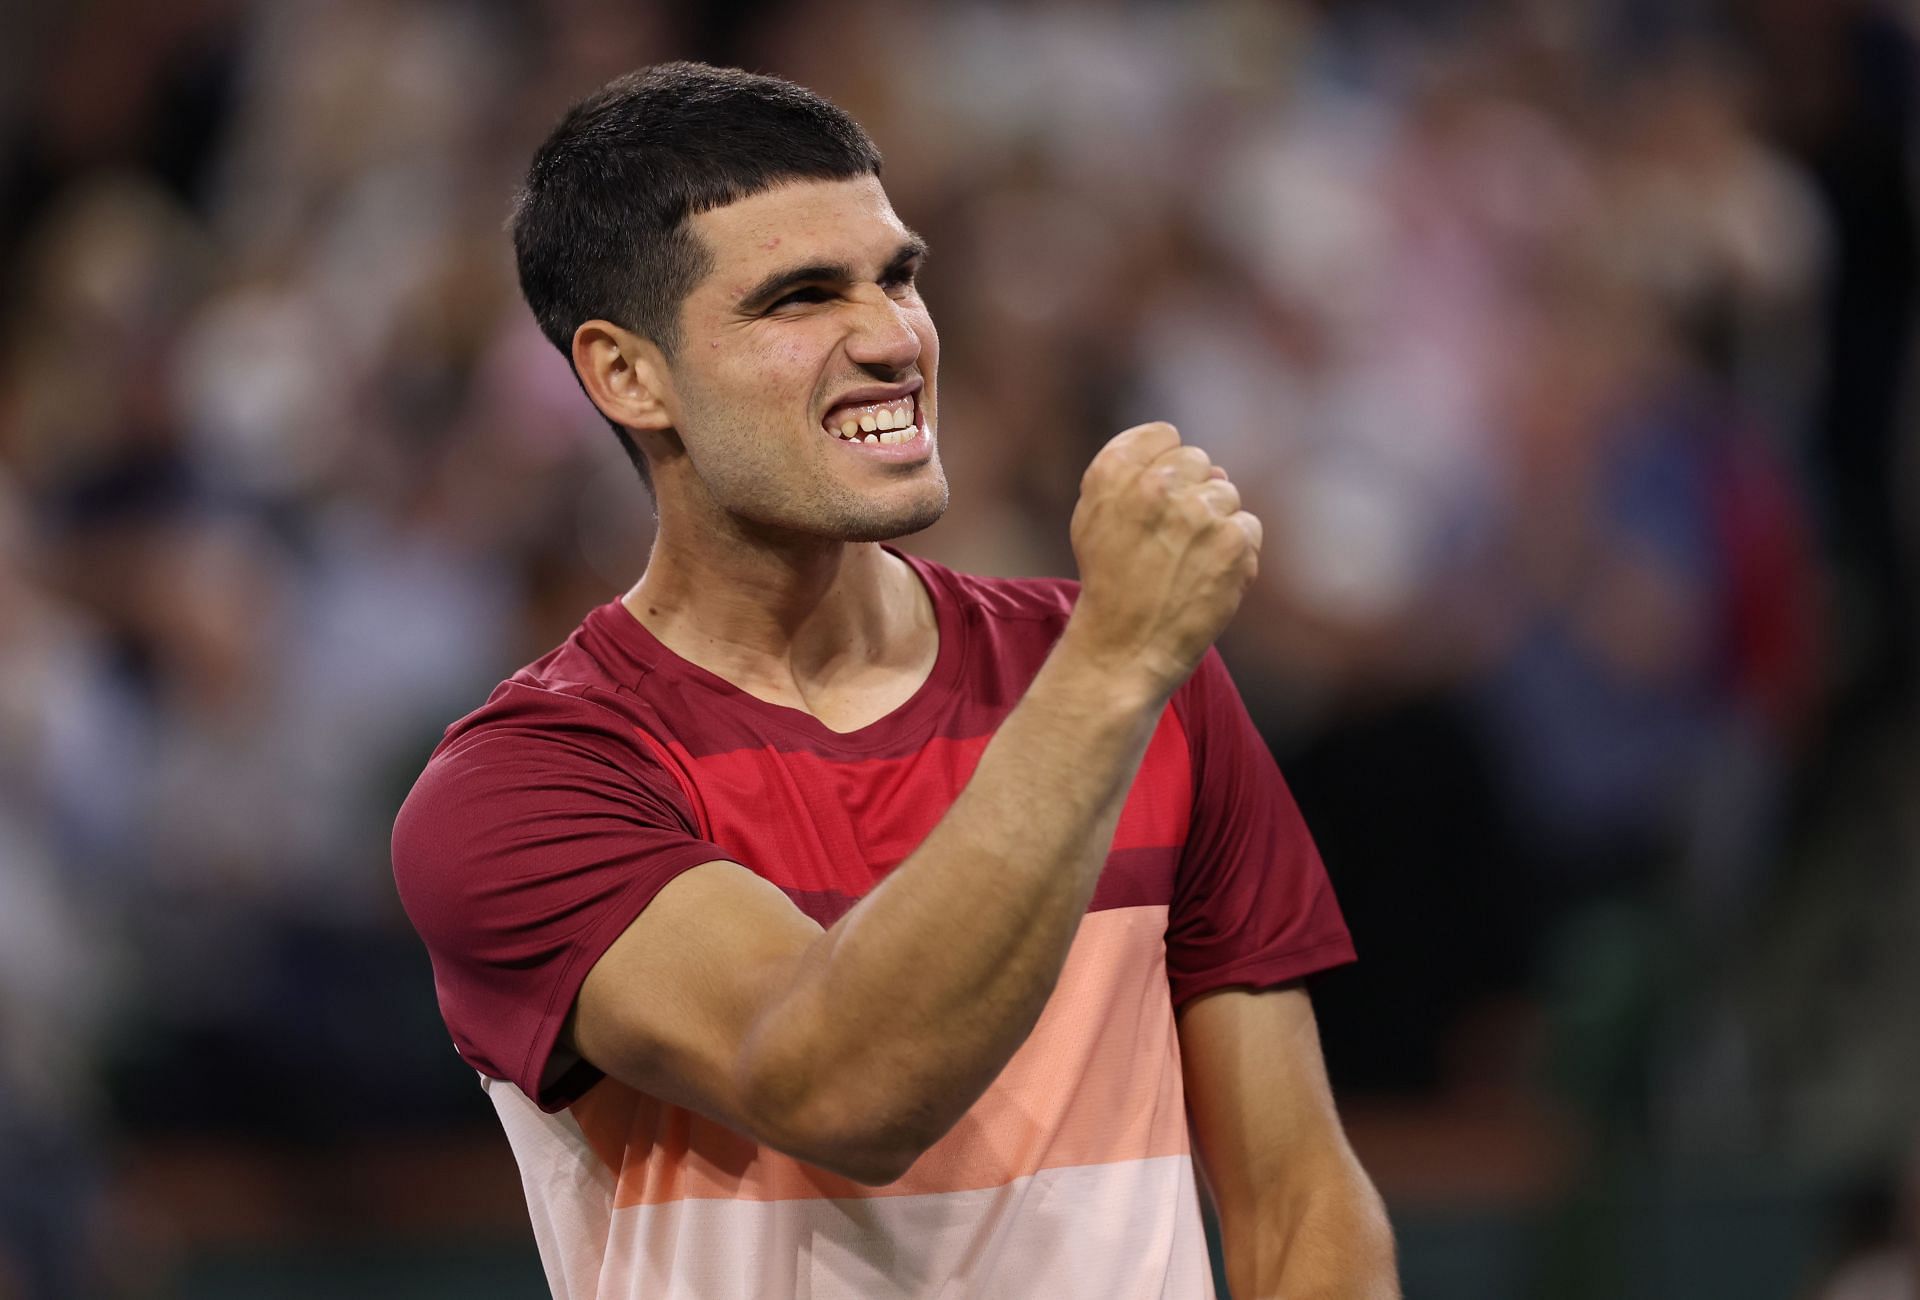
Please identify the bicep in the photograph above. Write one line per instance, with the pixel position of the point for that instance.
(1257, 1094)
(670, 1005)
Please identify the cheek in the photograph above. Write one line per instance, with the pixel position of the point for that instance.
(795, 356)
(776, 368)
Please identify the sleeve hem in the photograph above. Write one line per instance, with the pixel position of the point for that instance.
(1267, 970)
(587, 952)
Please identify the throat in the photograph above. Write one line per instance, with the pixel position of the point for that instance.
(866, 695)
(847, 659)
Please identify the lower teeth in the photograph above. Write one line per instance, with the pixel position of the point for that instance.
(907, 434)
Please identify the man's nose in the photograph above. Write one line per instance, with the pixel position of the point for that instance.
(883, 335)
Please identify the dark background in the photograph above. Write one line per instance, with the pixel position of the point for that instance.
(1566, 349)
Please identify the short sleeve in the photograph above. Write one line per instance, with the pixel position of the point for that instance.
(1252, 905)
(530, 843)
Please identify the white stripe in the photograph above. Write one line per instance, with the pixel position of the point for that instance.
(569, 1189)
(1123, 1231)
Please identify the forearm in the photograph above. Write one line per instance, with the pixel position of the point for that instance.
(903, 1012)
(1329, 1239)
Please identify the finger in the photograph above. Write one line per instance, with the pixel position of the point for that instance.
(1183, 466)
(1143, 443)
(1251, 526)
(1220, 495)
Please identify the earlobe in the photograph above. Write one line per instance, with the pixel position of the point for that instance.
(624, 375)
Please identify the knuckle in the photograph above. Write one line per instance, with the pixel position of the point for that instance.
(1252, 529)
(1187, 464)
(1154, 437)
(1196, 512)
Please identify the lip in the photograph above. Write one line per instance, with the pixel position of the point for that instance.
(873, 393)
(914, 450)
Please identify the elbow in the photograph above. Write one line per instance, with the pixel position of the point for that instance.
(873, 1154)
(866, 1145)
(849, 1130)
(871, 1165)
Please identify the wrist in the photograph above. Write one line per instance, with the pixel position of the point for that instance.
(1129, 683)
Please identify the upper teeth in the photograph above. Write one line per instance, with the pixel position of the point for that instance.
(881, 423)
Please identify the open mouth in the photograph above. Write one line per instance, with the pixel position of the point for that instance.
(884, 423)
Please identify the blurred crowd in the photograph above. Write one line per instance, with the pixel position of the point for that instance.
(1564, 347)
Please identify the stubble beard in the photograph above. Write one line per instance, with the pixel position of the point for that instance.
(871, 525)
(834, 511)
(767, 499)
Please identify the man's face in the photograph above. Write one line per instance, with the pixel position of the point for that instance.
(804, 380)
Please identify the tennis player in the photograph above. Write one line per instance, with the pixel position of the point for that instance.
(821, 921)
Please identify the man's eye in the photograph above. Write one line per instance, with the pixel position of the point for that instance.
(808, 295)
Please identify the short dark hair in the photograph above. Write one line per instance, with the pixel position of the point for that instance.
(600, 227)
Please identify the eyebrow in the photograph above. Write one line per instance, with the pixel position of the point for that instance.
(912, 248)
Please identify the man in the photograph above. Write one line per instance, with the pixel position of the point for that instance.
(816, 916)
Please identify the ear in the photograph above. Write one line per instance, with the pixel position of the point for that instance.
(625, 375)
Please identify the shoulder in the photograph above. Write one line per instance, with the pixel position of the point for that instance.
(581, 696)
(548, 709)
(559, 738)
(531, 723)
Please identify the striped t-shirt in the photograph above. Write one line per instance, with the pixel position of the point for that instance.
(548, 819)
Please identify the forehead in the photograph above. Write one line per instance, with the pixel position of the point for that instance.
(840, 221)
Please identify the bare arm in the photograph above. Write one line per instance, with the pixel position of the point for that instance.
(858, 1047)
(1298, 1216)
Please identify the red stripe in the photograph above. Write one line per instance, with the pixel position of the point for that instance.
(1132, 878)
(817, 826)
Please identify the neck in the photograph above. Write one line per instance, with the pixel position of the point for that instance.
(779, 614)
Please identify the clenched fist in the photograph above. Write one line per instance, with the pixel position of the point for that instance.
(1165, 554)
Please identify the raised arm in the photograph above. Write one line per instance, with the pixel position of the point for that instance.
(856, 1048)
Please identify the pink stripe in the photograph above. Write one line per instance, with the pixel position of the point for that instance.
(1097, 1081)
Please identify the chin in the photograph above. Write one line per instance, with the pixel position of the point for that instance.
(894, 524)
(864, 519)
(844, 512)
